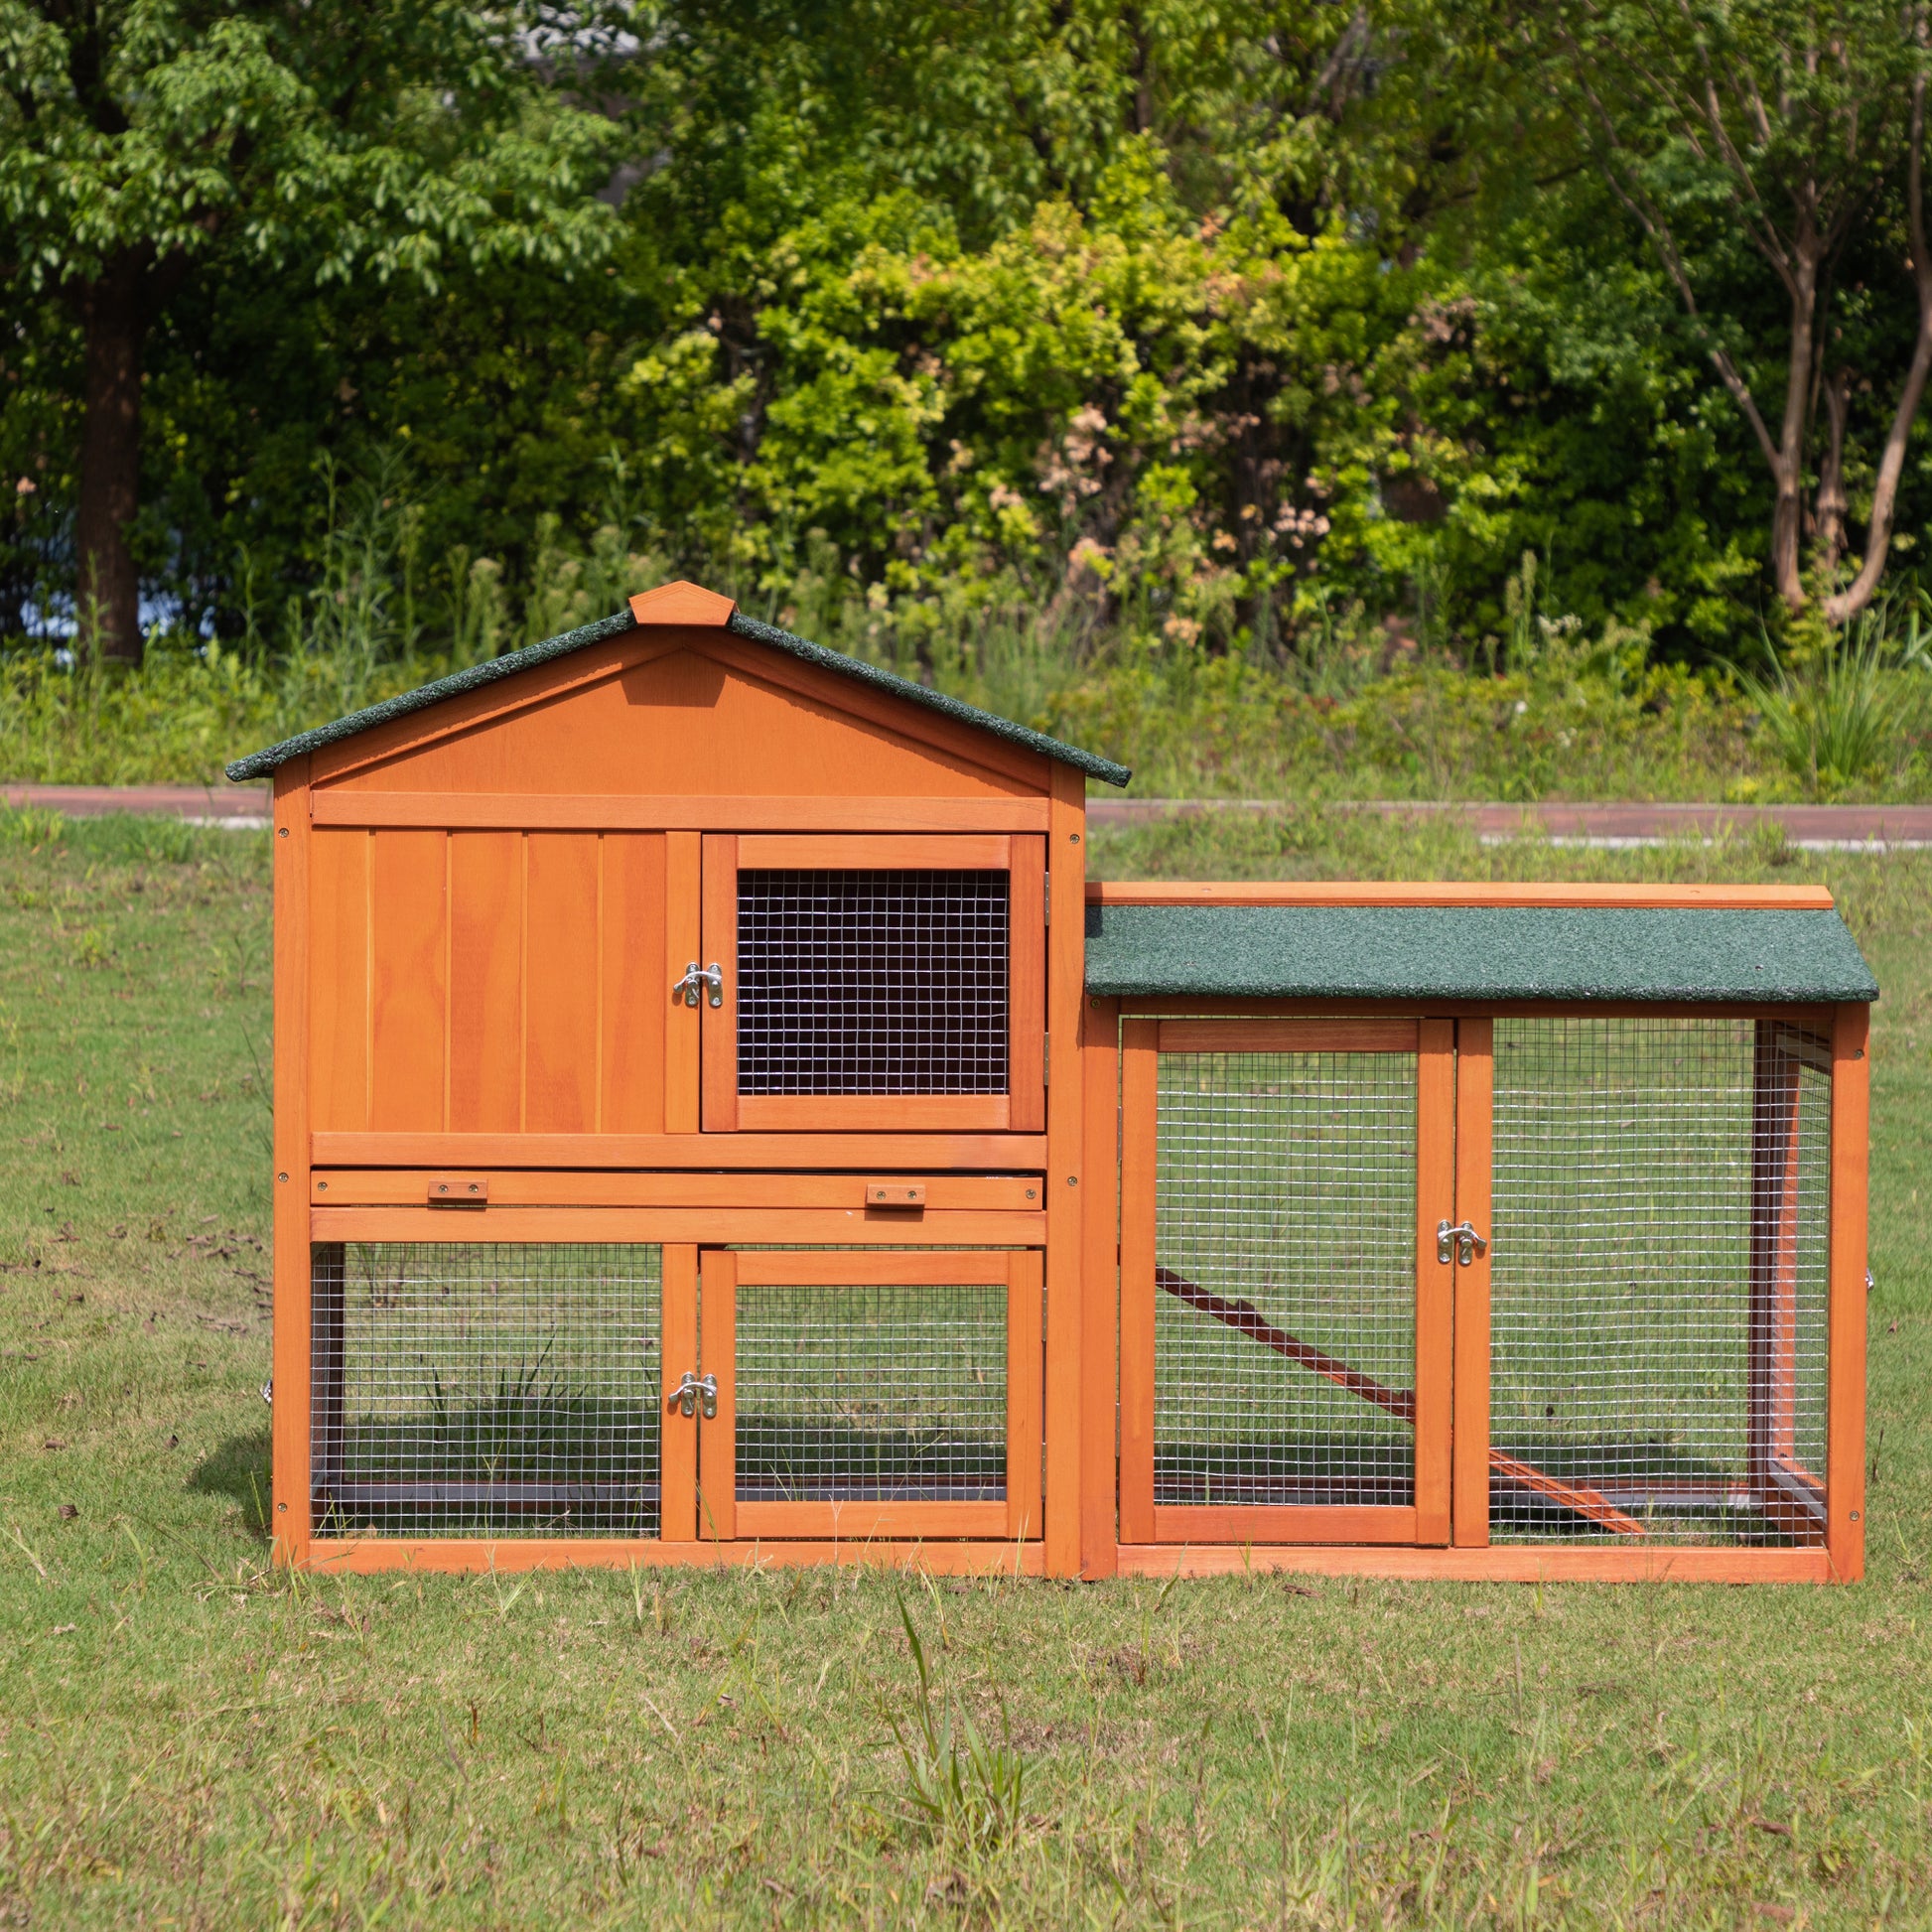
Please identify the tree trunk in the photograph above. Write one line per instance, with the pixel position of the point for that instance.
(114, 317)
(1830, 505)
(1788, 463)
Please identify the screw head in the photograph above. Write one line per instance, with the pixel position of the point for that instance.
(1074, 838)
(1073, 1180)
(281, 831)
(281, 1176)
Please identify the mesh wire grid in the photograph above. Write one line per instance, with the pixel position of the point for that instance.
(1659, 1269)
(1285, 1216)
(885, 1394)
(882, 982)
(486, 1389)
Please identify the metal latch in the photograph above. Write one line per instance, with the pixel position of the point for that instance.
(712, 978)
(1468, 1242)
(686, 1397)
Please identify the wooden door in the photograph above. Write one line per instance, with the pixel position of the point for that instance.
(860, 1395)
(1285, 1320)
(862, 984)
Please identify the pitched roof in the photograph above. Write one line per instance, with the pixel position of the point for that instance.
(1474, 952)
(260, 764)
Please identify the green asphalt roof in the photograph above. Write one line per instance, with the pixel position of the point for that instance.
(1382, 952)
(259, 765)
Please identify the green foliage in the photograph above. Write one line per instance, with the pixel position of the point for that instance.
(966, 1792)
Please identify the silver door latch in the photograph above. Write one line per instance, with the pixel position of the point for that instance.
(712, 978)
(692, 1391)
(1463, 1238)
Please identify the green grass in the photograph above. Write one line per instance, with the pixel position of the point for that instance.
(187, 1738)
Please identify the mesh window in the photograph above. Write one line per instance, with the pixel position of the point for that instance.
(892, 1394)
(871, 982)
(1285, 1331)
(1658, 1281)
(490, 1389)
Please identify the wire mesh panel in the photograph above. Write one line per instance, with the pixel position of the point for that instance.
(486, 1389)
(1285, 1328)
(870, 1392)
(1658, 1281)
(873, 982)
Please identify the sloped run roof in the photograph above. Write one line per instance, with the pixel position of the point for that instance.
(1474, 952)
(260, 764)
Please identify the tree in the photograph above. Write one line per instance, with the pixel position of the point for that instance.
(1791, 127)
(319, 138)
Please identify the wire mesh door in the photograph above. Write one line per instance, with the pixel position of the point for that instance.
(1285, 1318)
(867, 1395)
(873, 983)
(486, 1389)
(1657, 1305)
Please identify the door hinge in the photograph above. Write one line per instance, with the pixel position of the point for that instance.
(1046, 1060)
(1046, 894)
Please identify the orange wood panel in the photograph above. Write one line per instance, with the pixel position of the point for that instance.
(1066, 861)
(469, 1557)
(973, 755)
(531, 811)
(1100, 1292)
(1027, 985)
(1504, 1564)
(634, 1007)
(1474, 1094)
(861, 1521)
(338, 973)
(746, 1224)
(468, 725)
(1845, 1327)
(1434, 1284)
(1139, 1229)
(289, 1429)
(681, 601)
(1025, 1396)
(720, 1023)
(718, 1434)
(408, 906)
(1475, 891)
(861, 1152)
(1290, 1037)
(684, 713)
(803, 1269)
(683, 945)
(563, 948)
(516, 1187)
(808, 853)
(1206, 1523)
(678, 1514)
(486, 982)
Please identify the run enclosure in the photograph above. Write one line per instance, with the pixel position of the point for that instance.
(707, 1129)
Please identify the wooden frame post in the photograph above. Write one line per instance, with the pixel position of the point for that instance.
(1066, 871)
(1846, 1338)
(1100, 1291)
(677, 1509)
(1435, 1283)
(1140, 1074)
(289, 1431)
(1475, 1088)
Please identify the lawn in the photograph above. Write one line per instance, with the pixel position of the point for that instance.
(187, 1736)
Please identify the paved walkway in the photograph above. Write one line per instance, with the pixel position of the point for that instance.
(1818, 827)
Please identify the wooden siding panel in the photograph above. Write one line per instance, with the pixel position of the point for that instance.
(632, 1074)
(561, 942)
(486, 982)
(410, 976)
(339, 999)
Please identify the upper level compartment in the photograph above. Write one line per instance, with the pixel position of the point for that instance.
(676, 874)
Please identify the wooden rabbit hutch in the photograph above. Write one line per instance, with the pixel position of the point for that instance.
(717, 1121)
